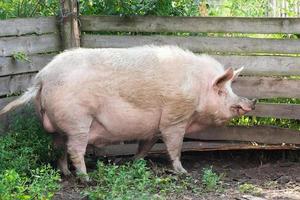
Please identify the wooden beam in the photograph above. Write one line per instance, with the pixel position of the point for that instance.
(15, 84)
(159, 148)
(11, 66)
(31, 44)
(267, 87)
(22, 26)
(259, 134)
(285, 111)
(69, 24)
(190, 24)
(262, 65)
(197, 44)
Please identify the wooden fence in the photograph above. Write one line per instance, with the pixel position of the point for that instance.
(269, 63)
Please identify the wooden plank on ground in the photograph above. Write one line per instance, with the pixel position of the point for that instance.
(159, 148)
(285, 111)
(266, 87)
(196, 44)
(190, 24)
(10, 66)
(21, 26)
(15, 84)
(259, 134)
(31, 44)
(262, 65)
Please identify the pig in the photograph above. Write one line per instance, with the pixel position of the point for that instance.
(107, 95)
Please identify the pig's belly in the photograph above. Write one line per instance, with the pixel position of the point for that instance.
(120, 121)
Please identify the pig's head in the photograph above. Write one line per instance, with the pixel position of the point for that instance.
(223, 103)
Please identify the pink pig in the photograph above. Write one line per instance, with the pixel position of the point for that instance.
(102, 96)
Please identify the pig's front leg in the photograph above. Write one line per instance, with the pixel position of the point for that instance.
(173, 138)
(145, 146)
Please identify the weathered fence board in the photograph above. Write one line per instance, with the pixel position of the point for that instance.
(197, 44)
(159, 148)
(21, 26)
(259, 134)
(190, 24)
(15, 84)
(10, 66)
(29, 44)
(285, 111)
(267, 87)
(262, 65)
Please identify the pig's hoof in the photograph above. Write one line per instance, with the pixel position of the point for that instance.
(180, 170)
(177, 166)
(84, 178)
(66, 173)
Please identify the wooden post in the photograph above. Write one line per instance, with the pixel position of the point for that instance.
(70, 33)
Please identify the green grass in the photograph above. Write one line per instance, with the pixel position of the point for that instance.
(211, 180)
(40, 184)
(281, 100)
(248, 188)
(129, 181)
(25, 152)
(270, 121)
(20, 56)
(135, 180)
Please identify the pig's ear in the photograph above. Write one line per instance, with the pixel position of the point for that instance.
(237, 72)
(221, 80)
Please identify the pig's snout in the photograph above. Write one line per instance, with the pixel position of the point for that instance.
(248, 105)
(244, 106)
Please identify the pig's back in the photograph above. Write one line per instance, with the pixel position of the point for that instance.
(146, 59)
(145, 76)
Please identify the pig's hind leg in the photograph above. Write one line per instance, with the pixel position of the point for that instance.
(59, 141)
(76, 127)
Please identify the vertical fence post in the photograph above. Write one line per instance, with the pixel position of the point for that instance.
(70, 33)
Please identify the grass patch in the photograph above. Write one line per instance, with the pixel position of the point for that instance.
(280, 100)
(248, 188)
(25, 153)
(41, 184)
(255, 121)
(211, 180)
(134, 180)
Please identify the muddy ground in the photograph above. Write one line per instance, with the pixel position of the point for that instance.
(275, 173)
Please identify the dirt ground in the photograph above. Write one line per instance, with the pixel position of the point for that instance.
(275, 173)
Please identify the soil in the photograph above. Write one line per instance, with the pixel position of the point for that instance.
(275, 173)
